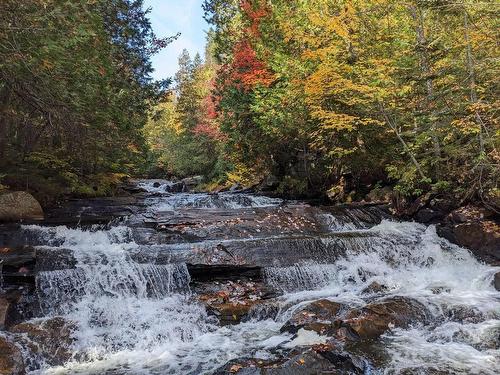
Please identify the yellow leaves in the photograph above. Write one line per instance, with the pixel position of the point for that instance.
(235, 368)
(46, 64)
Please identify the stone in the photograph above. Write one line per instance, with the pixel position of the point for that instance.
(496, 281)
(318, 316)
(429, 215)
(19, 205)
(481, 237)
(5, 308)
(50, 338)
(231, 301)
(11, 359)
(192, 181)
(376, 318)
(374, 288)
(320, 359)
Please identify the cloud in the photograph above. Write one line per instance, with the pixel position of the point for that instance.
(169, 17)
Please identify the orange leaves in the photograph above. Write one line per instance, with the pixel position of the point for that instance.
(247, 69)
(254, 11)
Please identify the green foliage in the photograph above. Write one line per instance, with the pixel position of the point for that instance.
(74, 86)
(311, 91)
(180, 132)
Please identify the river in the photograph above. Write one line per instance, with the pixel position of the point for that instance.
(130, 291)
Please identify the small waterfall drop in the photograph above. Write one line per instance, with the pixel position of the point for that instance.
(133, 310)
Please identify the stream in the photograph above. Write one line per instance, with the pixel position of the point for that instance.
(195, 283)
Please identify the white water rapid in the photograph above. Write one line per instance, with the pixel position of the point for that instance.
(142, 318)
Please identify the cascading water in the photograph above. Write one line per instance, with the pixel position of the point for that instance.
(121, 309)
(132, 315)
(410, 260)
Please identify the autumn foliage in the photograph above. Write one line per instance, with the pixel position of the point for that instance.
(343, 96)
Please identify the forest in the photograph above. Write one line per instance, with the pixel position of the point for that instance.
(315, 192)
(314, 98)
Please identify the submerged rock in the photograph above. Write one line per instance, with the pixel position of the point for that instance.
(318, 316)
(496, 281)
(11, 359)
(50, 339)
(19, 205)
(374, 288)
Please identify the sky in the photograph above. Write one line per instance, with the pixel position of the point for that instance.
(169, 17)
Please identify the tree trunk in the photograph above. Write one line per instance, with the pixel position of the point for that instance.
(425, 69)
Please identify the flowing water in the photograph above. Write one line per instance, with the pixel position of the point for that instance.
(141, 317)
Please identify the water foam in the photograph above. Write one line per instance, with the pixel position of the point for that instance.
(140, 318)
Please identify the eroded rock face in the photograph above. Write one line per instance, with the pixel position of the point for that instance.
(318, 316)
(50, 339)
(374, 319)
(19, 205)
(11, 359)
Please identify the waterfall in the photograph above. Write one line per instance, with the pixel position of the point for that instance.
(135, 311)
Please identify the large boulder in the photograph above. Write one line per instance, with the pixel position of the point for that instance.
(374, 319)
(11, 359)
(191, 182)
(476, 229)
(19, 205)
(50, 339)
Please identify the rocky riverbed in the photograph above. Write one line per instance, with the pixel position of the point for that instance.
(164, 281)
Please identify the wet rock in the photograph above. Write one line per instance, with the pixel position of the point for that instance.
(462, 313)
(231, 301)
(321, 359)
(19, 205)
(481, 237)
(50, 339)
(6, 311)
(4, 308)
(496, 281)
(429, 215)
(16, 257)
(176, 187)
(17, 304)
(374, 319)
(11, 359)
(232, 312)
(375, 288)
(318, 316)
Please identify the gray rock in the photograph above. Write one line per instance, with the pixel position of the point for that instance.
(19, 205)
